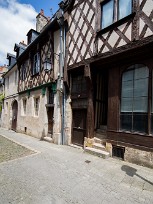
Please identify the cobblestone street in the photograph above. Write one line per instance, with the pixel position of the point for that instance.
(62, 174)
(10, 150)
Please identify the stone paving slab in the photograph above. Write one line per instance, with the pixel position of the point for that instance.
(60, 174)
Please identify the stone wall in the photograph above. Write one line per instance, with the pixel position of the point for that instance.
(68, 121)
(139, 157)
(28, 123)
(136, 156)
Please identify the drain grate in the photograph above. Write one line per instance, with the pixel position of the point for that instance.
(118, 152)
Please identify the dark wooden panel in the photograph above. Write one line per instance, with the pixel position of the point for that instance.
(131, 139)
(113, 99)
(79, 126)
(14, 115)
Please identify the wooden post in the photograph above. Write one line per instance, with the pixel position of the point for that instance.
(90, 107)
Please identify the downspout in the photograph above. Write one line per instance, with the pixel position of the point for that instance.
(61, 24)
(64, 92)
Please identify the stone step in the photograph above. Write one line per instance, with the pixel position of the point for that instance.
(97, 140)
(97, 152)
(98, 146)
(48, 139)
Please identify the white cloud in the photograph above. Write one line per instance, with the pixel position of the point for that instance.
(15, 22)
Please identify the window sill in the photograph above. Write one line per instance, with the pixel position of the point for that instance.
(36, 74)
(49, 105)
(136, 133)
(116, 24)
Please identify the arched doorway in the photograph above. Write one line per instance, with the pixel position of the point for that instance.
(14, 115)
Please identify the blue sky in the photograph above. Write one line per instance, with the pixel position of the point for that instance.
(17, 18)
(46, 5)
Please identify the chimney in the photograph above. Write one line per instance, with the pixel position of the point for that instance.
(41, 21)
(22, 43)
(42, 12)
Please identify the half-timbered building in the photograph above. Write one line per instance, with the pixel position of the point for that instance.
(10, 99)
(39, 82)
(109, 75)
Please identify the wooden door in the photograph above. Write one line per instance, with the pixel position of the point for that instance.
(101, 105)
(50, 120)
(79, 126)
(14, 115)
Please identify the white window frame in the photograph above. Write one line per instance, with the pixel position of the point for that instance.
(36, 106)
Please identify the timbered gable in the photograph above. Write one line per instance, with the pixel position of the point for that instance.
(81, 23)
(120, 30)
(146, 18)
(98, 27)
(32, 73)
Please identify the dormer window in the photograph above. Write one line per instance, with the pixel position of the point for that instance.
(36, 64)
(114, 10)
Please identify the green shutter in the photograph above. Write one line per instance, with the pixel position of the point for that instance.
(43, 91)
(54, 86)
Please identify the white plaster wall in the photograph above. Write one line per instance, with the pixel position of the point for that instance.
(37, 126)
(13, 85)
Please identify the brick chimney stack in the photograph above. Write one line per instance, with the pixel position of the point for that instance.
(41, 21)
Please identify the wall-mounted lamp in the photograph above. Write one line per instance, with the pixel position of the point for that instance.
(47, 65)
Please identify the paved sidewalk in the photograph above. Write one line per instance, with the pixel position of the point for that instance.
(63, 174)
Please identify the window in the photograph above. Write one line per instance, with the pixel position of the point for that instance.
(7, 82)
(134, 99)
(36, 64)
(15, 76)
(6, 107)
(114, 10)
(36, 106)
(50, 96)
(79, 85)
(23, 70)
(24, 106)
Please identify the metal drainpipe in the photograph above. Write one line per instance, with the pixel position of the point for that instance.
(61, 80)
(64, 93)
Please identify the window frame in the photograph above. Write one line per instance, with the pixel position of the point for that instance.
(24, 105)
(50, 96)
(36, 106)
(149, 127)
(15, 76)
(115, 12)
(6, 107)
(35, 65)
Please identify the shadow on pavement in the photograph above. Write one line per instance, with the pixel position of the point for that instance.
(130, 171)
